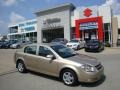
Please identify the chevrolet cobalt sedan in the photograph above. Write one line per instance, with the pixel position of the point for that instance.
(59, 61)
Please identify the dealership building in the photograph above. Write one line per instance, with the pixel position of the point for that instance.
(68, 21)
(24, 31)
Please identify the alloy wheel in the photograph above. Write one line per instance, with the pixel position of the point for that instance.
(68, 78)
(21, 67)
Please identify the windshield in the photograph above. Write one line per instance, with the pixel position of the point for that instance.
(74, 41)
(57, 40)
(63, 51)
(93, 41)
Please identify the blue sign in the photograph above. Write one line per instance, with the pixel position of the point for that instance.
(89, 25)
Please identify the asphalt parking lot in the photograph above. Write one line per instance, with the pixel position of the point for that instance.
(6, 60)
(10, 79)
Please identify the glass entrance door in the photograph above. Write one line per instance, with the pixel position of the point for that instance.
(49, 35)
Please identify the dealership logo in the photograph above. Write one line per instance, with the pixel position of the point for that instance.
(50, 21)
(87, 12)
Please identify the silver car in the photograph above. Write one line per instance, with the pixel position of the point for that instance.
(75, 44)
(20, 44)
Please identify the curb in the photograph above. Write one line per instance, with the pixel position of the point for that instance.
(113, 47)
(8, 72)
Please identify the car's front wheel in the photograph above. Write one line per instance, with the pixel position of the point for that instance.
(78, 47)
(18, 46)
(69, 77)
(21, 67)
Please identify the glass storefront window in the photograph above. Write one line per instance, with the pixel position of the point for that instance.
(30, 28)
(49, 35)
(106, 26)
(13, 29)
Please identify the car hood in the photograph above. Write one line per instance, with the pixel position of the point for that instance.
(16, 43)
(84, 59)
(72, 43)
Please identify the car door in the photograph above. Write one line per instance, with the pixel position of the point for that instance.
(30, 57)
(48, 66)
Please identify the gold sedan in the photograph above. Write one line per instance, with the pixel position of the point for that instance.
(59, 61)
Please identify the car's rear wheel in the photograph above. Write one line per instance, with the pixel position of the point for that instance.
(21, 66)
(86, 50)
(69, 77)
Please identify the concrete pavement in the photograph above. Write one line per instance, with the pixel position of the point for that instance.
(105, 51)
(6, 60)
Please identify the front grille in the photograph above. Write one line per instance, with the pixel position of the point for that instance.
(69, 45)
(99, 66)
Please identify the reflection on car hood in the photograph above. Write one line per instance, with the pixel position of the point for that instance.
(84, 59)
(72, 43)
(15, 44)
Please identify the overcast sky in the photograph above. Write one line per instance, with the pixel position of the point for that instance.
(12, 11)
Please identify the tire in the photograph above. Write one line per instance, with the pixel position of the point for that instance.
(18, 46)
(69, 77)
(78, 47)
(21, 67)
(86, 50)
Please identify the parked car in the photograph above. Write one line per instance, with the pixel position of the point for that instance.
(94, 45)
(75, 44)
(59, 41)
(1, 44)
(20, 44)
(16, 45)
(9, 43)
(118, 42)
(4, 44)
(59, 61)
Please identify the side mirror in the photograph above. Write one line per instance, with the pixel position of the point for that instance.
(50, 57)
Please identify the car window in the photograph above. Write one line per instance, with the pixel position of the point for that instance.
(44, 51)
(63, 51)
(55, 40)
(58, 40)
(31, 50)
(74, 41)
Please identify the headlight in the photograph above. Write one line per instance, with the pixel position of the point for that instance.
(13, 45)
(88, 68)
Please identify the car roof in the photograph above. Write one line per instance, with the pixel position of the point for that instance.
(43, 44)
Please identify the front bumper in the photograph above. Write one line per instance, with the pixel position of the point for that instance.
(91, 77)
(72, 47)
(91, 49)
(13, 47)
